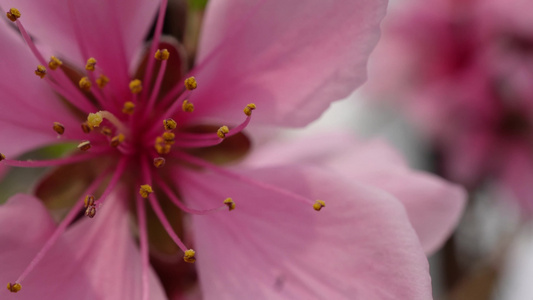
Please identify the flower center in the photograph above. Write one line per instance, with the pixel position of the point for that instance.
(140, 131)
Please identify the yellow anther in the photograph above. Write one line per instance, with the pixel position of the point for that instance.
(169, 124)
(248, 109)
(169, 137)
(222, 131)
(162, 54)
(102, 81)
(145, 190)
(159, 162)
(136, 86)
(230, 203)
(94, 120)
(90, 211)
(116, 140)
(89, 201)
(13, 14)
(54, 63)
(85, 84)
(14, 287)
(190, 83)
(84, 146)
(187, 106)
(91, 63)
(128, 108)
(59, 128)
(106, 131)
(86, 128)
(2, 157)
(40, 71)
(161, 147)
(188, 256)
(319, 204)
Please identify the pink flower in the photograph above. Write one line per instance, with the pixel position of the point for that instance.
(463, 71)
(267, 240)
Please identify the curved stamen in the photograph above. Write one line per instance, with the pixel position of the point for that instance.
(72, 214)
(158, 211)
(202, 163)
(172, 196)
(158, 82)
(79, 100)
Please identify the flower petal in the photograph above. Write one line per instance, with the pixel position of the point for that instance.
(433, 205)
(95, 258)
(110, 31)
(275, 247)
(290, 58)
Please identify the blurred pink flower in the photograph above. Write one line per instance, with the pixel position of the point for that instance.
(463, 71)
(291, 60)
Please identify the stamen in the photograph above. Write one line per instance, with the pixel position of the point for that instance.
(94, 119)
(88, 201)
(169, 138)
(248, 109)
(14, 287)
(13, 14)
(91, 211)
(230, 204)
(159, 162)
(84, 146)
(157, 34)
(2, 157)
(102, 81)
(189, 256)
(85, 84)
(91, 63)
(158, 80)
(169, 124)
(187, 106)
(162, 54)
(40, 71)
(86, 128)
(136, 86)
(106, 131)
(54, 63)
(116, 140)
(128, 108)
(202, 163)
(59, 128)
(319, 204)
(222, 131)
(161, 147)
(72, 214)
(190, 83)
(164, 187)
(145, 190)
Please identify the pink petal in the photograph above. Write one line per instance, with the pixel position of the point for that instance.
(433, 205)
(28, 107)
(289, 58)
(361, 246)
(110, 31)
(95, 259)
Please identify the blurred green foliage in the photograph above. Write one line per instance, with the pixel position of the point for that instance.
(197, 4)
